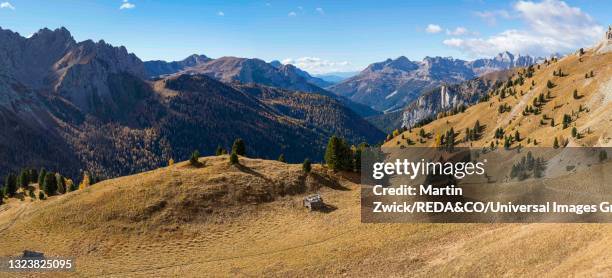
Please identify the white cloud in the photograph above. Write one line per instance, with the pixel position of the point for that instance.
(433, 28)
(126, 5)
(316, 65)
(491, 16)
(220, 13)
(300, 8)
(459, 31)
(552, 26)
(320, 10)
(7, 5)
(291, 14)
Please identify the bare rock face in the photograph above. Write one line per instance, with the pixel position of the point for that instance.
(51, 61)
(83, 72)
(450, 96)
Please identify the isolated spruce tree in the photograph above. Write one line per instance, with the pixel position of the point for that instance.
(517, 136)
(332, 151)
(41, 195)
(574, 132)
(556, 143)
(281, 158)
(576, 96)
(219, 151)
(338, 156)
(24, 179)
(239, 147)
(50, 184)
(41, 177)
(1, 194)
(306, 167)
(10, 183)
(422, 133)
(234, 159)
(32, 196)
(194, 159)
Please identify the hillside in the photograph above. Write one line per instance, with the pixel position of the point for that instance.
(588, 111)
(72, 106)
(246, 70)
(391, 84)
(444, 98)
(249, 221)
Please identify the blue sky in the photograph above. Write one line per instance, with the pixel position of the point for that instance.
(319, 36)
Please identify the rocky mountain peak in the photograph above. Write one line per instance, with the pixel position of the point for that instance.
(276, 64)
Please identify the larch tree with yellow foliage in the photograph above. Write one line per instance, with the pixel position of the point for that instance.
(86, 181)
(438, 141)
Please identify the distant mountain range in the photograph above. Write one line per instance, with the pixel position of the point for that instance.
(336, 77)
(247, 70)
(391, 84)
(71, 106)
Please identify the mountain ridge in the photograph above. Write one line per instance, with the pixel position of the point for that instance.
(89, 106)
(390, 84)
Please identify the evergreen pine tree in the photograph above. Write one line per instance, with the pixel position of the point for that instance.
(281, 158)
(194, 159)
(32, 196)
(219, 150)
(574, 132)
(517, 136)
(33, 175)
(41, 177)
(338, 156)
(50, 184)
(41, 195)
(556, 143)
(2, 188)
(332, 151)
(306, 167)
(239, 147)
(10, 183)
(234, 158)
(552, 122)
(23, 179)
(507, 143)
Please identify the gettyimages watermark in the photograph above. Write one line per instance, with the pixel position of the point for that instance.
(486, 185)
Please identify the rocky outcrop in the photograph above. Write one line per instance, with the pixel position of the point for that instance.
(450, 96)
(52, 61)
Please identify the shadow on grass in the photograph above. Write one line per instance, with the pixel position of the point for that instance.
(327, 182)
(327, 208)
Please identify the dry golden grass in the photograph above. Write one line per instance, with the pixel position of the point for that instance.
(594, 125)
(221, 220)
(117, 228)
